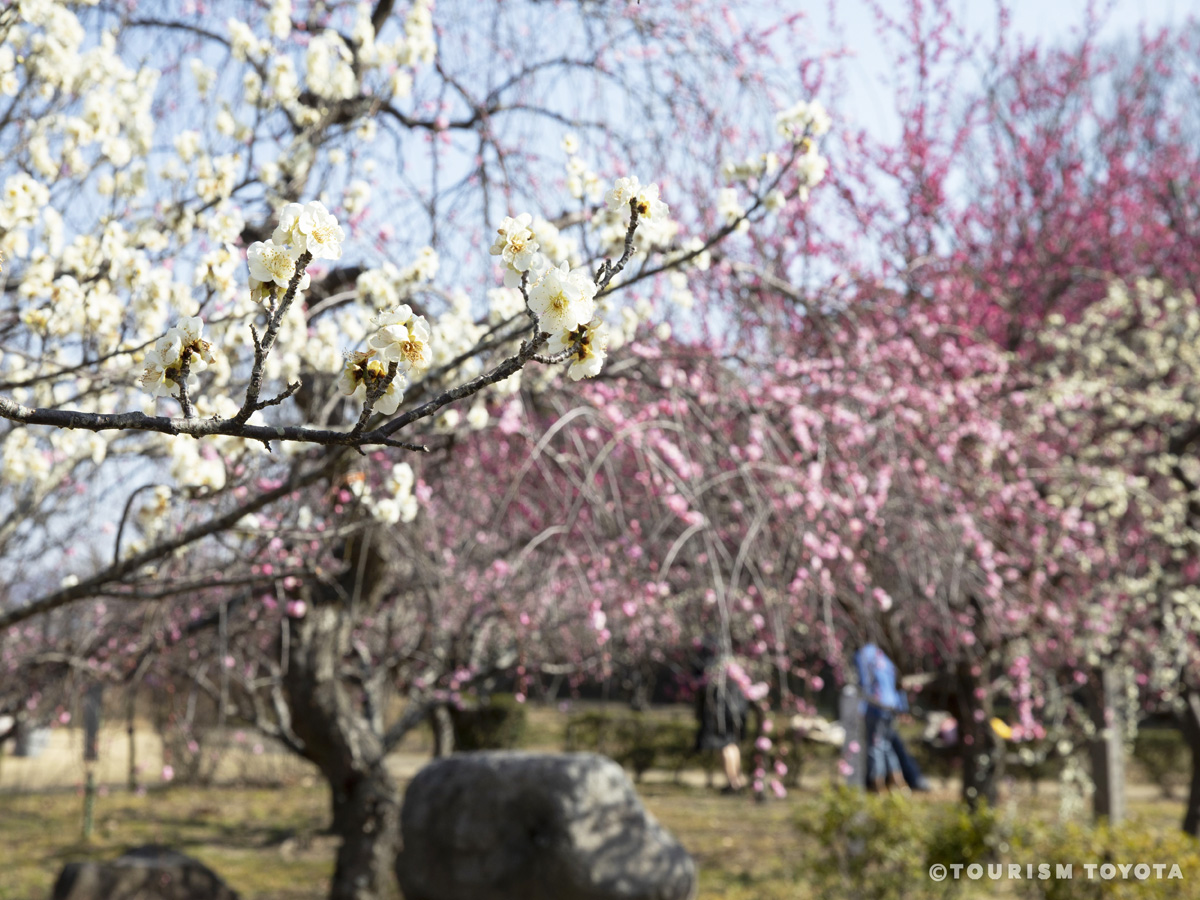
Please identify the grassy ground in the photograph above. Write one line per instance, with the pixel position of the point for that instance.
(268, 843)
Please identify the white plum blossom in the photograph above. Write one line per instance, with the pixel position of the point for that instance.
(555, 247)
(650, 208)
(282, 78)
(279, 19)
(400, 482)
(310, 228)
(243, 43)
(804, 119)
(503, 304)
(622, 192)
(271, 263)
(164, 363)
(583, 181)
(477, 417)
(323, 235)
(562, 300)
(752, 167)
(330, 74)
(285, 231)
(402, 338)
(22, 459)
(391, 511)
(400, 85)
(356, 196)
(363, 372)
(162, 366)
(187, 145)
(516, 245)
(811, 167)
(400, 505)
(728, 206)
(420, 47)
(190, 329)
(23, 198)
(591, 348)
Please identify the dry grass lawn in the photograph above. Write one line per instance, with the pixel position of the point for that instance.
(269, 842)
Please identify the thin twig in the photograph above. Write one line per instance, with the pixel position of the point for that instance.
(263, 347)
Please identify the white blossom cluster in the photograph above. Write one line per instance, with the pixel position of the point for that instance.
(400, 338)
(333, 70)
(729, 207)
(581, 181)
(307, 228)
(517, 247)
(765, 164)
(563, 298)
(656, 229)
(805, 119)
(388, 286)
(397, 503)
(589, 343)
(802, 124)
(164, 363)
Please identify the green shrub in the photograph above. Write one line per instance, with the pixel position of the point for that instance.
(674, 744)
(962, 836)
(1128, 844)
(589, 731)
(1163, 755)
(498, 724)
(639, 741)
(868, 846)
(1034, 763)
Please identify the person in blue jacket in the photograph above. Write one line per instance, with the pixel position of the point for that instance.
(887, 757)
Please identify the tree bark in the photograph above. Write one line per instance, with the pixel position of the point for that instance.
(442, 724)
(1191, 733)
(131, 734)
(340, 738)
(366, 816)
(981, 750)
(1107, 749)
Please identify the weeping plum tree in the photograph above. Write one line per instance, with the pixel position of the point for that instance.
(947, 431)
(1008, 208)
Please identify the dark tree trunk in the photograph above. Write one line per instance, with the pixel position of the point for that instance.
(442, 724)
(981, 750)
(1191, 733)
(333, 719)
(1107, 749)
(131, 734)
(366, 816)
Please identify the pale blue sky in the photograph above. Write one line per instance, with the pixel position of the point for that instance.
(870, 101)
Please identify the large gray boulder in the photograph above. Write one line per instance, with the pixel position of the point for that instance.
(507, 825)
(147, 873)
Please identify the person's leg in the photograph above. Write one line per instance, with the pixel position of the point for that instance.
(891, 762)
(908, 765)
(877, 762)
(731, 756)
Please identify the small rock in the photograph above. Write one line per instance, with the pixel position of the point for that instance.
(522, 826)
(147, 873)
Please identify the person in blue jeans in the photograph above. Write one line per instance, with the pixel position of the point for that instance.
(887, 757)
